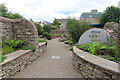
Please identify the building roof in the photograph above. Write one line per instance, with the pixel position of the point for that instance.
(62, 20)
(87, 13)
(93, 13)
(92, 21)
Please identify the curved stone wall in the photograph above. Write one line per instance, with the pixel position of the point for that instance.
(91, 66)
(22, 29)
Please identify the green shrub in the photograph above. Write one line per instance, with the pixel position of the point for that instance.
(39, 28)
(55, 22)
(14, 43)
(67, 42)
(71, 48)
(92, 48)
(111, 58)
(47, 28)
(53, 28)
(47, 35)
(61, 40)
(42, 40)
(27, 48)
(76, 29)
(117, 52)
(110, 47)
(108, 50)
(2, 58)
(71, 42)
(111, 15)
(40, 36)
(7, 50)
(58, 35)
(8, 14)
(4, 44)
(65, 35)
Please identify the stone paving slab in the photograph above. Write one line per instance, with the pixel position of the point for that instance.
(47, 67)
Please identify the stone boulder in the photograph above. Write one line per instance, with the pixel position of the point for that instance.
(94, 35)
(112, 29)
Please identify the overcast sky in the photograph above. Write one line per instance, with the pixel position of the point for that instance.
(48, 9)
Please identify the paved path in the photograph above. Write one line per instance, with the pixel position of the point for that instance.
(46, 67)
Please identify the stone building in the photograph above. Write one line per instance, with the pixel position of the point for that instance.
(63, 23)
(42, 22)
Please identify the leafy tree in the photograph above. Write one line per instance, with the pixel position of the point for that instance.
(76, 29)
(55, 22)
(47, 28)
(7, 14)
(39, 28)
(3, 9)
(47, 35)
(112, 14)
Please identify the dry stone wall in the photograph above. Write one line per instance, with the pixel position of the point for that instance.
(18, 61)
(22, 29)
(91, 66)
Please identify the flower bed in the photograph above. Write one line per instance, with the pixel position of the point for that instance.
(103, 50)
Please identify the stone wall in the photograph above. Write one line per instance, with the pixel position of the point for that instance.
(22, 29)
(91, 66)
(17, 61)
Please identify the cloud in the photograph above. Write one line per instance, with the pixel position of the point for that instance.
(48, 9)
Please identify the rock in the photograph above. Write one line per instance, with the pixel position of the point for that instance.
(94, 35)
(112, 29)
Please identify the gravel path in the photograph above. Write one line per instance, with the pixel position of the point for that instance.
(54, 63)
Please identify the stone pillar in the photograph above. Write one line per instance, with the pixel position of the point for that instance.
(118, 37)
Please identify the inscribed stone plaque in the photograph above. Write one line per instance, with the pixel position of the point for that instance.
(94, 35)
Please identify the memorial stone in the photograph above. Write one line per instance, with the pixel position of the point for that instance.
(94, 35)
